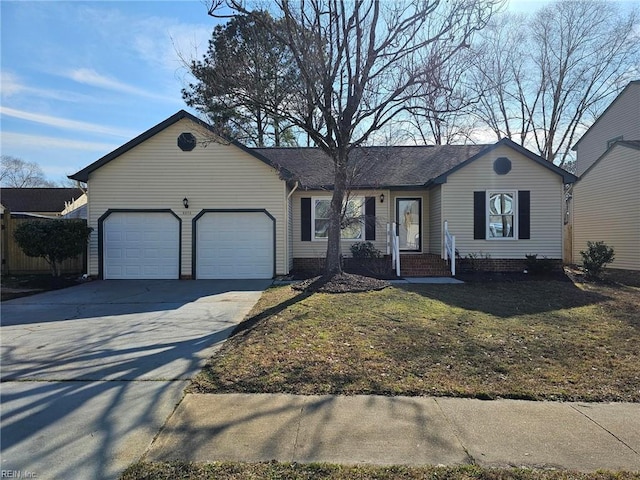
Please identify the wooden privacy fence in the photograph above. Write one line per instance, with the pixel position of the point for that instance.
(15, 262)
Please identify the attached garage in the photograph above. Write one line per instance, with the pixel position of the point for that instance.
(140, 245)
(236, 244)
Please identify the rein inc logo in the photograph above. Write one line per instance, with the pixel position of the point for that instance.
(17, 474)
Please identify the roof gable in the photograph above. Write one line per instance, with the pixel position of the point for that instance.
(83, 175)
(567, 177)
(629, 86)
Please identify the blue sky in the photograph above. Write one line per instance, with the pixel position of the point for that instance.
(81, 78)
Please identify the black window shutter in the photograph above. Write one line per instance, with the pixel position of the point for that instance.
(479, 215)
(524, 215)
(305, 217)
(370, 218)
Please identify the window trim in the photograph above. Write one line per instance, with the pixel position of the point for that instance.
(358, 198)
(514, 208)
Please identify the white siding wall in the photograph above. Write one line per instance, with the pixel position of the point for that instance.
(435, 220)
(621, 119)
(318, 248)
(157, 174)
(546, 205)
(606, 207)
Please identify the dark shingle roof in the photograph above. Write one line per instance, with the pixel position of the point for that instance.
(37, 199)
(398, 166)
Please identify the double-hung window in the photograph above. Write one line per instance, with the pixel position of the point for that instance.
(352, 225)
(501, 221)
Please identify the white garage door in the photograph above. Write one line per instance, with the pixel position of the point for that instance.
(234, 245)
(141, 245)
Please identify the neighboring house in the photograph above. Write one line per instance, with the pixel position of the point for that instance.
(24, 204)
(47, 202)
(173, 203)
(76, 208)
(620, 121)
(606, 199)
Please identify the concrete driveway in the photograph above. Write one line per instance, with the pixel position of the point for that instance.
(90, 373)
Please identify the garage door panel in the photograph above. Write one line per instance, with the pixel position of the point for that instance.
(234, 245)
(141, 245)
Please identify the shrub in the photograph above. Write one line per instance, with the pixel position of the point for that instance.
(53, 240)
(598, 255)
(537, 265)
(365, 250)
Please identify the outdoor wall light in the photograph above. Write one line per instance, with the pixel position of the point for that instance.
(382, 198)
(185, 202)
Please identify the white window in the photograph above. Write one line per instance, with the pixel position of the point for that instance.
(352, 225)
(501, 221)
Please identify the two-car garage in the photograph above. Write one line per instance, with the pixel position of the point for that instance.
(227, 244)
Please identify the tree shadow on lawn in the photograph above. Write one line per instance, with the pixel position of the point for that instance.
(508, 299)
(250, 323)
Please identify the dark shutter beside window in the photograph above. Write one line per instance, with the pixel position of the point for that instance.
(305, 216)
(479, 215)
(524, 217)
(370, 218)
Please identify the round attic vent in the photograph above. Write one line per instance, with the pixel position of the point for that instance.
(502, 165)
(186, 142)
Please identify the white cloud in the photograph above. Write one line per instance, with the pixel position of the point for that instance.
(13, 140)
(65, 123)
(90, 77)
(13, 86)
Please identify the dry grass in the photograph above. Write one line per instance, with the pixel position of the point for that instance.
(287, 471)
(552, 340)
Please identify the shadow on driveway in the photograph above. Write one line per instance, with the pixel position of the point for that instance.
(83, 395)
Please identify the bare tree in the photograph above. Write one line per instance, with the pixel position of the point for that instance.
(360, 62)
(18, 173)
(572, 58)
(440, 112)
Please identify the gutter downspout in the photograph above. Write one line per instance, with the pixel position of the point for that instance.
(286, 209)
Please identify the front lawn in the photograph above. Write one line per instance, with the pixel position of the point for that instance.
(551, 340)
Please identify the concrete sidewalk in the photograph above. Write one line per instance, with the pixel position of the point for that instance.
(401, 430)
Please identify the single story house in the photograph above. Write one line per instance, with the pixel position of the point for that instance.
(606, 199)
(179, 202)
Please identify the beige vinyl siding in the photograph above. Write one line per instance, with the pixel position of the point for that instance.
(157, 175)
(424, 195)
(435, 220)
(622, 118)
(606, 207)
(318, 248)
(546, 190)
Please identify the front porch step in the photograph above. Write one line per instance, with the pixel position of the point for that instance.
(423, 265)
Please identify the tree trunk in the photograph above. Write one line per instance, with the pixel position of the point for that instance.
(333, 264)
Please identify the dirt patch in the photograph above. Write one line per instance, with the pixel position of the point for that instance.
(341, 283)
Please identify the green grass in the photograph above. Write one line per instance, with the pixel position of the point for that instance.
(287, 471)
(540, 340)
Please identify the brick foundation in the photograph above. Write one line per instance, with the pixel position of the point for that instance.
(497, 264)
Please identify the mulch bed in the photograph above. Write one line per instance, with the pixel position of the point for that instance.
(341, 283)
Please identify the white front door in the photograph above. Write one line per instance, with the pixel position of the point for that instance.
(409, 218)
